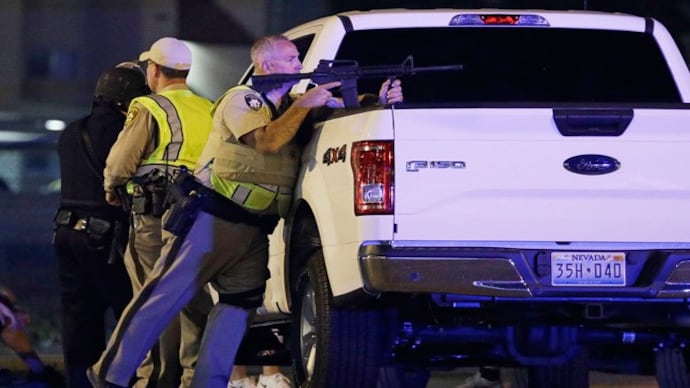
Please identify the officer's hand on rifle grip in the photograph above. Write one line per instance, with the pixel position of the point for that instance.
(391, 91)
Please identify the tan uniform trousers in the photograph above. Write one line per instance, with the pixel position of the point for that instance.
(233, 257)
(171, 362)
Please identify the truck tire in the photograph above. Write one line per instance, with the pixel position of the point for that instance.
(671, 368)
(333, 346)
(571, 374)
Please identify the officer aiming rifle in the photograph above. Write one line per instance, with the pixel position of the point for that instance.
(347, 72)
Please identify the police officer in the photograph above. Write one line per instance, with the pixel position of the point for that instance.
(249, 166)
(89, 232)
(164, 133)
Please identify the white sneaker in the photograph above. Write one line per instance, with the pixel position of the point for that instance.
(277, 380)
(245, 382)
(477, 381)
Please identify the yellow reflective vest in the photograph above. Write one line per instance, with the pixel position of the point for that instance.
(184, 124)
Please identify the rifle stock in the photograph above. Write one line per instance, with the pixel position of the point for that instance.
(346, 71)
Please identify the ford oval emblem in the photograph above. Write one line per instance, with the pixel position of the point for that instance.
(591, 164)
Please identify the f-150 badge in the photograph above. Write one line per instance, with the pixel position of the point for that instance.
(416, 165)
(591, 164)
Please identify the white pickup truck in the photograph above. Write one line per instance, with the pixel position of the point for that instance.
(531, 210)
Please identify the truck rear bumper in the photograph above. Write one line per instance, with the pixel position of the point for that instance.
(459, 275)
(499, 272)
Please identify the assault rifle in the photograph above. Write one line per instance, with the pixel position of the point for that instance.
(347, 72)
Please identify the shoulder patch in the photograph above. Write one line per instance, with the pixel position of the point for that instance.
(253, 102)
(131, 114)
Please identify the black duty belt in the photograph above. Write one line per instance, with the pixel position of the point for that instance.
(83, 223)
(217, 205)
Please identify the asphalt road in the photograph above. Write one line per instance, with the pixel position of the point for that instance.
(451, 379)
(444, 379)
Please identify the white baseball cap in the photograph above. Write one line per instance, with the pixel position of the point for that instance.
(169, 52)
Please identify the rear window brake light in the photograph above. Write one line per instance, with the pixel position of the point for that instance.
(474, 19)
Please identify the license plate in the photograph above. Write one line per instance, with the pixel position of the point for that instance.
(588, 269)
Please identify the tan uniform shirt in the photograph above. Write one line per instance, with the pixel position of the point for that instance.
(134, 144)
(238, 113)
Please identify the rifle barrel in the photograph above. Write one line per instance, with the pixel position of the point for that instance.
(436, 68)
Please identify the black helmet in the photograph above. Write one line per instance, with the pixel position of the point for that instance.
(121, 84)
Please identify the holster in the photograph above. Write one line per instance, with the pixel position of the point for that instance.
(149, 197)
(217, 205)
(64, 218)
(182, 213)
(125, 198)
(96, 228)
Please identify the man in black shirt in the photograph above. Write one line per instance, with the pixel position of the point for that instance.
(90, 233)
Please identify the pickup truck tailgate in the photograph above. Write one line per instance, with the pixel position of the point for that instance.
(500, 175)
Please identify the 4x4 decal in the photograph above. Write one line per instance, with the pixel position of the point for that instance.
(334, 155)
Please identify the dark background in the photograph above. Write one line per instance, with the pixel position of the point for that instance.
(54, 50)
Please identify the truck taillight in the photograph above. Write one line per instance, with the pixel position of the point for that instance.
(372, 165)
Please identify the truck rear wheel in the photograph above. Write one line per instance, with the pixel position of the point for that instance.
(573, 373)
(333, 346)
(671, 368)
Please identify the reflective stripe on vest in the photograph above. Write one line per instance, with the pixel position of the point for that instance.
(254, 196)
(241, 163)
(184, 124)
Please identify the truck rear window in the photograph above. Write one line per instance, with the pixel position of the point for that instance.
(519, 64)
